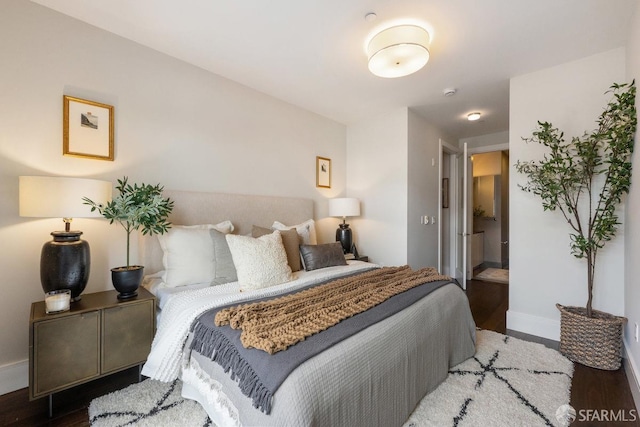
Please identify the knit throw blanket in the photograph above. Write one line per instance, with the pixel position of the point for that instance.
(277, 324)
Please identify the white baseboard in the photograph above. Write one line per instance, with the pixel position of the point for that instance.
(14, 376)
(533, 325)
(633, 375)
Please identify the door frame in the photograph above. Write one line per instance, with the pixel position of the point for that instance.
(454, 198)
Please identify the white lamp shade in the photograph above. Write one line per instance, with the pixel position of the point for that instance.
(344, 207)
(56, 197)
(398, 51)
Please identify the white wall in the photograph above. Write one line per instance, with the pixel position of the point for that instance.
(485, 140)
(632, 229)
(377, 152)
(174, 124)
(423, 185)
(542, 270)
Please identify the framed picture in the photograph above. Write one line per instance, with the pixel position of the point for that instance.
(87, 129)
(445, 193)
(323, 172)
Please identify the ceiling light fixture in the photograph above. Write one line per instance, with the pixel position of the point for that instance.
(473, 116)
(398, 51)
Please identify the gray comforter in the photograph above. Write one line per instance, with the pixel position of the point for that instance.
(374, 378)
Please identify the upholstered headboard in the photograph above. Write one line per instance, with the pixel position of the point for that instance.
(244, 211)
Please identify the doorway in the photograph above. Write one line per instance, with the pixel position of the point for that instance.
(490, 203)
(459, 229)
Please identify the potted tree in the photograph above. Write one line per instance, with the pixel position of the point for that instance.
(135, 207)
(585, 179)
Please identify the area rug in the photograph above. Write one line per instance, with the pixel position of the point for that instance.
(149, 403)
(508, 382)
(497, 275)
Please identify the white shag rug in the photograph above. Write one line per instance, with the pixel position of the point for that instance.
(508, 382)
(149, 403)
(497, 275)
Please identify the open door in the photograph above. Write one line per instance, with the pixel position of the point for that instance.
(462, 220)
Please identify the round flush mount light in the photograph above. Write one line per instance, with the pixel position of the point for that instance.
(473, 116)
(398, 51)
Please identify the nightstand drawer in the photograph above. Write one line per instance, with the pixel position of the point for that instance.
(66, 351)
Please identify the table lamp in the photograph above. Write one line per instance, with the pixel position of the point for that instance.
(65, 261)
(344, 207)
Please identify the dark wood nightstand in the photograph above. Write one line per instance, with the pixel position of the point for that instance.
(98, 336)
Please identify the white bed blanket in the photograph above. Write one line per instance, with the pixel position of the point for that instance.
(182, 308)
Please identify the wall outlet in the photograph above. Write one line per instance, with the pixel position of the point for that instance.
(636, 331)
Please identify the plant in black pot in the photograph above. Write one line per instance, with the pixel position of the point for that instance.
(135, 207)
(585, 179)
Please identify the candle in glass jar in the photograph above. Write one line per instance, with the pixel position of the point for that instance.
(56, 301)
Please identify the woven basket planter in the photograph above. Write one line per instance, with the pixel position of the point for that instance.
(591, 341)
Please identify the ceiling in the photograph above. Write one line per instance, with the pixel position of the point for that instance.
(311, 53)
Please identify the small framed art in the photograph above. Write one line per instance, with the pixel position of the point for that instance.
(87, 129)
(323, 172)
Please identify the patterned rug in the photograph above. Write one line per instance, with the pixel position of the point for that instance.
(149, 403)
(497, 275)
(508, 382)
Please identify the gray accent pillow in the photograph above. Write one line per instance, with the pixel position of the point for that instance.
(290, 240)
(321, 256)
(225, 269)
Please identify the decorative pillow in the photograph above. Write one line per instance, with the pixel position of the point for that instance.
(321, 256)
(197, 254)
(260, 262)
(306, 230)
(290, 240)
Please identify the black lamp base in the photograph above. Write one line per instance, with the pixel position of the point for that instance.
(65, 263)
(343, 235)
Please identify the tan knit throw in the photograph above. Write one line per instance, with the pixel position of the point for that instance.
(276, 324)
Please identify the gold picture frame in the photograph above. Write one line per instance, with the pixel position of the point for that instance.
(323, 172)
(87, 129)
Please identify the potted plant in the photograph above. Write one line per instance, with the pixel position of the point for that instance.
(585, 179)
(135, 207)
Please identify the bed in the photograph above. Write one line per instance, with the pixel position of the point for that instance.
(374, 377)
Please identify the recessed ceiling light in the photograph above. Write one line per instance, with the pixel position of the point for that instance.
(473, 116)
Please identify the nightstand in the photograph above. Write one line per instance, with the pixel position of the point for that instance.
(98, 336)
(362, 258)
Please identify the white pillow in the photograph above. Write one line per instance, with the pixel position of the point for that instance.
(190, 253)
(225, 227)
(306, 230)
(260, 262)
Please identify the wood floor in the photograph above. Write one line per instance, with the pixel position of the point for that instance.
(592, 389)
